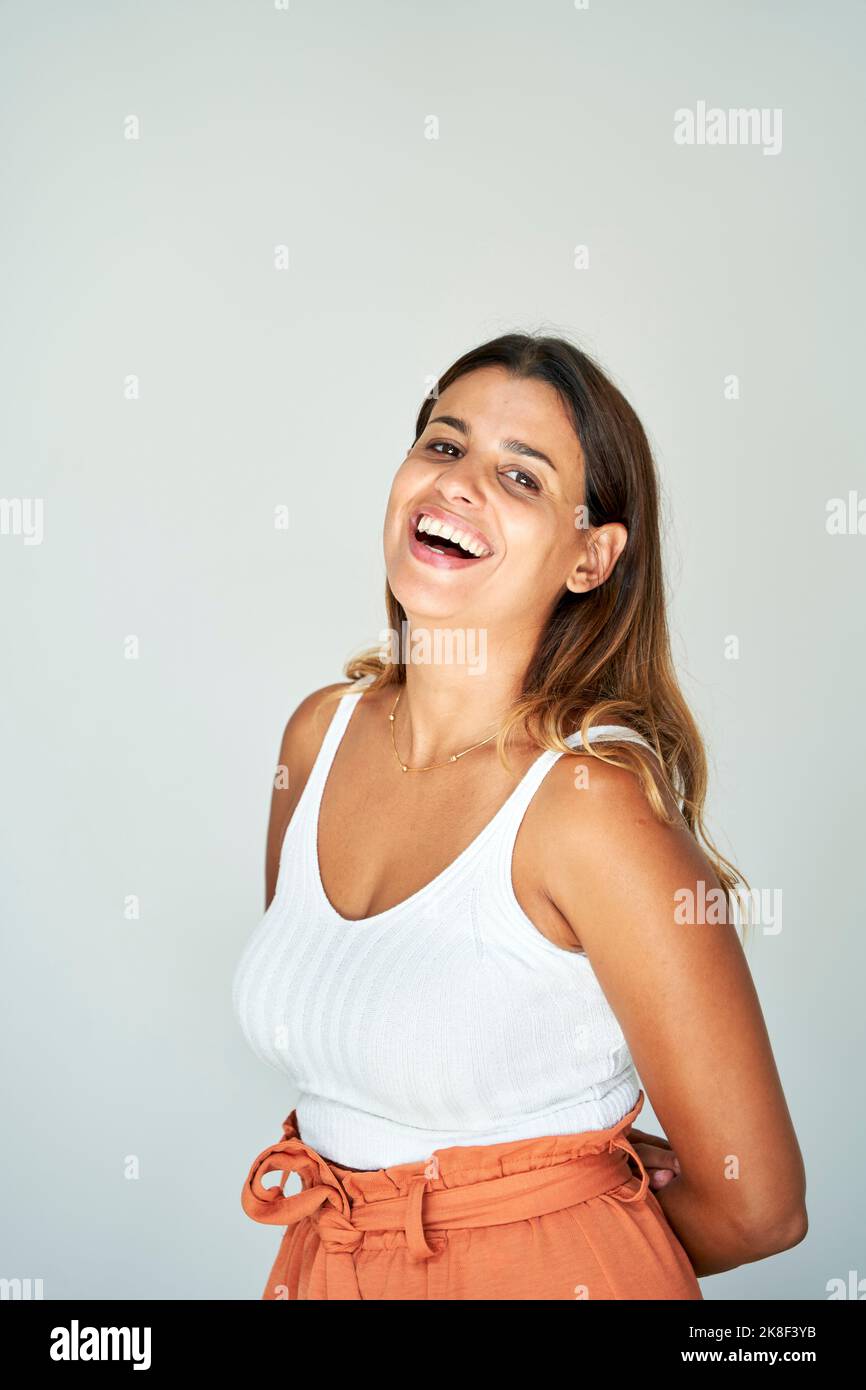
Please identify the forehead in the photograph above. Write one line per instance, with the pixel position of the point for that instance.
(497, 405)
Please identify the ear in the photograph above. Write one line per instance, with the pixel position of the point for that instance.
(602, 548)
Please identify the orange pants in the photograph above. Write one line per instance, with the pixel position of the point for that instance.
(559, 1217)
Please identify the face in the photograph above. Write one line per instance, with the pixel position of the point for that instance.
(483, 520)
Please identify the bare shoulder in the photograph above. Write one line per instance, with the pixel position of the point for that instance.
(306, 726)
(588, 792)
(594, 820)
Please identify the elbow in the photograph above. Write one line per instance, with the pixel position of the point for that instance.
(719, 1237)
(762, 1238)
(793, 1232)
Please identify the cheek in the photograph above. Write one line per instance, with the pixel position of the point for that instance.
(407, 484)
(535, 535)
(396, 495)
(404, 488)
(543, 546)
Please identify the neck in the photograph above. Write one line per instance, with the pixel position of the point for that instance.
(447, 706)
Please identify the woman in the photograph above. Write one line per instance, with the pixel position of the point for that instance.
(464, 970)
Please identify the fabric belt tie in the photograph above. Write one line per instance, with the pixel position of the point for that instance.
(341, 1223)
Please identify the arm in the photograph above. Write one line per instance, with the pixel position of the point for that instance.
(689, 1011)
(300, 743)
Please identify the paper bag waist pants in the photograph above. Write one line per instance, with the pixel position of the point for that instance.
(557, 1217)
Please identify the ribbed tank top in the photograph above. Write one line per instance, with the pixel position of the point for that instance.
(446, 1019)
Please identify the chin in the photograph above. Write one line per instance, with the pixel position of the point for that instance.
(430, 601)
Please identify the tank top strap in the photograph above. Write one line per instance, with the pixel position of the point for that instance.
(532, 779)
(605, 732)
(327, 749)
(509, 820)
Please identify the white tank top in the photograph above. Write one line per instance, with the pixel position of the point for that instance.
(446, 1019)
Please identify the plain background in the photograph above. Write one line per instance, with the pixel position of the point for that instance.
(261, 387)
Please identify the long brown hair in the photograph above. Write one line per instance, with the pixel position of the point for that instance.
(604, 656)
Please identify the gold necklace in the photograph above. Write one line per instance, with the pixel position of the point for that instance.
(431, 766)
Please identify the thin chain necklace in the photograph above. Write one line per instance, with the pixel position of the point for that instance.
(431, 766)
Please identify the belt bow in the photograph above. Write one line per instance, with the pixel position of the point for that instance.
(323, 1198)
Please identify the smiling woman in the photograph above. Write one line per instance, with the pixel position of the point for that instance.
(463, 974)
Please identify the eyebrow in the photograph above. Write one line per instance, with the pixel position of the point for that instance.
(516, 446)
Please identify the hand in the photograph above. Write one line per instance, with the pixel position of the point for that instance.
(657, 1156)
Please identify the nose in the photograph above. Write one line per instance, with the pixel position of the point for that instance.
(460, 481)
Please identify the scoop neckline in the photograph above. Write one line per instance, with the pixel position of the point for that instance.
(435, 883)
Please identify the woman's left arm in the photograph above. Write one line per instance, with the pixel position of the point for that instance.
(685, 1000)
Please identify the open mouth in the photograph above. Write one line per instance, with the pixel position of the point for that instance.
(439, 537)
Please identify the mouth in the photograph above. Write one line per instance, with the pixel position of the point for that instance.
(445, 540)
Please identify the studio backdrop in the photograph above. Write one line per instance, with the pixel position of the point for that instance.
(240, 242)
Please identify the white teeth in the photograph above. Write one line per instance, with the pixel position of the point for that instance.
(432, 527)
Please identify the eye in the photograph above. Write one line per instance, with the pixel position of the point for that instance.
(446, 444)
(533, 485)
